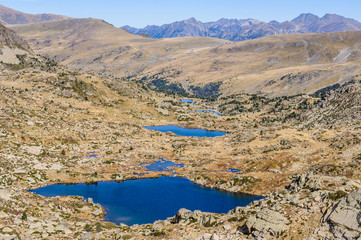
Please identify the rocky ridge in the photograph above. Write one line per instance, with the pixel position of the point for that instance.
(245, 29)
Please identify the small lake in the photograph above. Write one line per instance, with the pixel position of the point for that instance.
(187, 132)
(187, 101)
(147, 200)
(209, 111)
(163, 165)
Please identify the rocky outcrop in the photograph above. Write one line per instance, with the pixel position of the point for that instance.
(306, 180)
(344, 219)
(264, 223)
(11, 39)
(186, 217)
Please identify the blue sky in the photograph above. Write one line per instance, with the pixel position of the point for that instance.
(139, 13)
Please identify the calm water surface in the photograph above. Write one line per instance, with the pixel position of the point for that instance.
(187, 101)
(147, 200)
(163, 165)
(187, 132)
(209, 111)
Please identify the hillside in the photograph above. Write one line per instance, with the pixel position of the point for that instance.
(208, 67)
(272, 66)
(12, 17)
(245, 29)
(94, 45)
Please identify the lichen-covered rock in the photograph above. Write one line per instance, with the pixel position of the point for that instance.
(266, 222)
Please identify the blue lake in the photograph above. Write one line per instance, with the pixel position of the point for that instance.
(187, 101)
(187, 132)
(147, 200)
(210, 111)
(163, 165)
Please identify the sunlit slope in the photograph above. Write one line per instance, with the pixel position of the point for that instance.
(276, 65)
(92, 44)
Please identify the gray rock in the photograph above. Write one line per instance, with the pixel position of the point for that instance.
(87, 236)
(209, 220)
(215, 237)
(182, 215)
(227, 227)
(97, 212)
(265, 222)
(307, 180)
(163, 111)
(63, 227)
(164, 105)
(185, 216)
(206, 236)
(344, 219)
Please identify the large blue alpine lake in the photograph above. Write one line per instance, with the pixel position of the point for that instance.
(187, 132)
(147, 200)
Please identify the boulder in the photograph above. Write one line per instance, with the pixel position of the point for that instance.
(208, 220)
(33, 150)
(344, 219)
(5, 194)
(266, 222)
(185, 216)
(206, 236)
(63, 227)
(182, 215)
(97, 212)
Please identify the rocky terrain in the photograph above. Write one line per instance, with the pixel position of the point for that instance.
(301, 152)
(245, 29)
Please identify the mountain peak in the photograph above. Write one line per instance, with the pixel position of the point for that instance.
(332, 17)
(306, 18)
(191, 20)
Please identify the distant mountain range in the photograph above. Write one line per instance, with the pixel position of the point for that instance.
(244, 29)
(12, 17)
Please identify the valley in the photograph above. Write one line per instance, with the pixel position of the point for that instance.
(80, 98)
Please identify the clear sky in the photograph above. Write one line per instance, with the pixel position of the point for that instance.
(139, 13)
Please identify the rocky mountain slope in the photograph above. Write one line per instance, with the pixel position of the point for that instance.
(94, 45)
(207, 67)
(244, 29)
(271, 66)
(12, 17)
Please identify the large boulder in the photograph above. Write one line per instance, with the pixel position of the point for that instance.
(186, 217)
(266, 222)
(344, 219)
